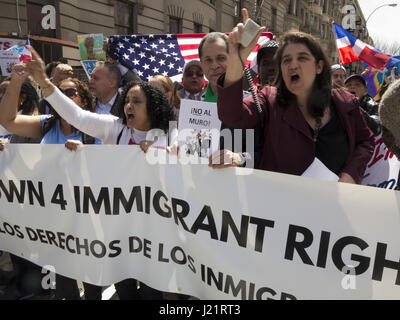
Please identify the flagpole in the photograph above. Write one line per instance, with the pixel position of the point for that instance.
(334, 37)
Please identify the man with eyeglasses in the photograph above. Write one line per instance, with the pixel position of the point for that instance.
(193, 81)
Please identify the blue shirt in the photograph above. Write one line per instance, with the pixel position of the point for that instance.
(55, 135)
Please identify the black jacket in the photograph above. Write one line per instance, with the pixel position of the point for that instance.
(369, 108)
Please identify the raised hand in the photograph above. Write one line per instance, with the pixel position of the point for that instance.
(238, 55)
(236, 35)
(19, 73)
(36, 67)
(37, 70)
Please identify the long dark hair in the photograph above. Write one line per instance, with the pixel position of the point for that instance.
(319, 100)
(31, 103)
(158, 108)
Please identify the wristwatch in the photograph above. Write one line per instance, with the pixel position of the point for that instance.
(244, 156)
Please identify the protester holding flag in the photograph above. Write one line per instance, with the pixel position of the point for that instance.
(50, 129)
(304, 118)
(140, 108)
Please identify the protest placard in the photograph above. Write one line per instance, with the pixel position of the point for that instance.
(383, 169)
(91, 47)
(200, 122)
(7, 60)
(88, 66)
(7, 43)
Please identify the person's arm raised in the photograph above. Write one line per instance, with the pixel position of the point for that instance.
(95, 125)
(27, 126)
(234, 71)
(37, 70)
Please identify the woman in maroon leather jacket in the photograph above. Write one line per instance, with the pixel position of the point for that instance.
(303, 117)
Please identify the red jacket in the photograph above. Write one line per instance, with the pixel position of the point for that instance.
(289, 146)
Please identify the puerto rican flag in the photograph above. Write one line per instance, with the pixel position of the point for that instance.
(163, 54)
(352, 49)
(23, 53)
(26, 55)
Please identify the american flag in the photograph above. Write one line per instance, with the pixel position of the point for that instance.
(162, 54)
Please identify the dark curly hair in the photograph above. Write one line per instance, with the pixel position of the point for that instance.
(321, 91)
(85, 95)
(158, 108)
(83, 92)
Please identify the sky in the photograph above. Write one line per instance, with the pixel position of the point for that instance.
(384, 23)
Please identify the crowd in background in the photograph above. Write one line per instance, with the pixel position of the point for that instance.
(305, 108)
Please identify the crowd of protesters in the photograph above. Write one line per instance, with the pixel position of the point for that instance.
(308, 109)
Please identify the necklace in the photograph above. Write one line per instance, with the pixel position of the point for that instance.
(317, 128)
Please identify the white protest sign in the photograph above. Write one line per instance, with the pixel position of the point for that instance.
(202, 127)
(383, 168)
(7, 60)
(89, 66)
(193, 230)
(7, 43)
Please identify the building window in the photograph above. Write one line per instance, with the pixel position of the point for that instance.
(273, 19)
(324, 5)
(238, 8)
(124, 14)
(48, 51)
(175, 25)
(292, 9)
(198, 28)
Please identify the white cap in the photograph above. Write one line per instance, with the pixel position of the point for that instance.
(337, 67)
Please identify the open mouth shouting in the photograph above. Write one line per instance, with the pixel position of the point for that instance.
(130, 116)
(294, 78)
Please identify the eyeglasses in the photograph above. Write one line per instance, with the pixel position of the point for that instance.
(70, 93)
(192, 73)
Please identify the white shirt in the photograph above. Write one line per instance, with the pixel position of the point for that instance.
(105, 127)
(197, 96)
(105, 108)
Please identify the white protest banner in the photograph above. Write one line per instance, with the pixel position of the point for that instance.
(203, 127)
(383, 168)
(193, 230)
(7, 60)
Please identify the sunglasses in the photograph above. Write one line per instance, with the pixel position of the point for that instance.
(70, 93)
(192, 73)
